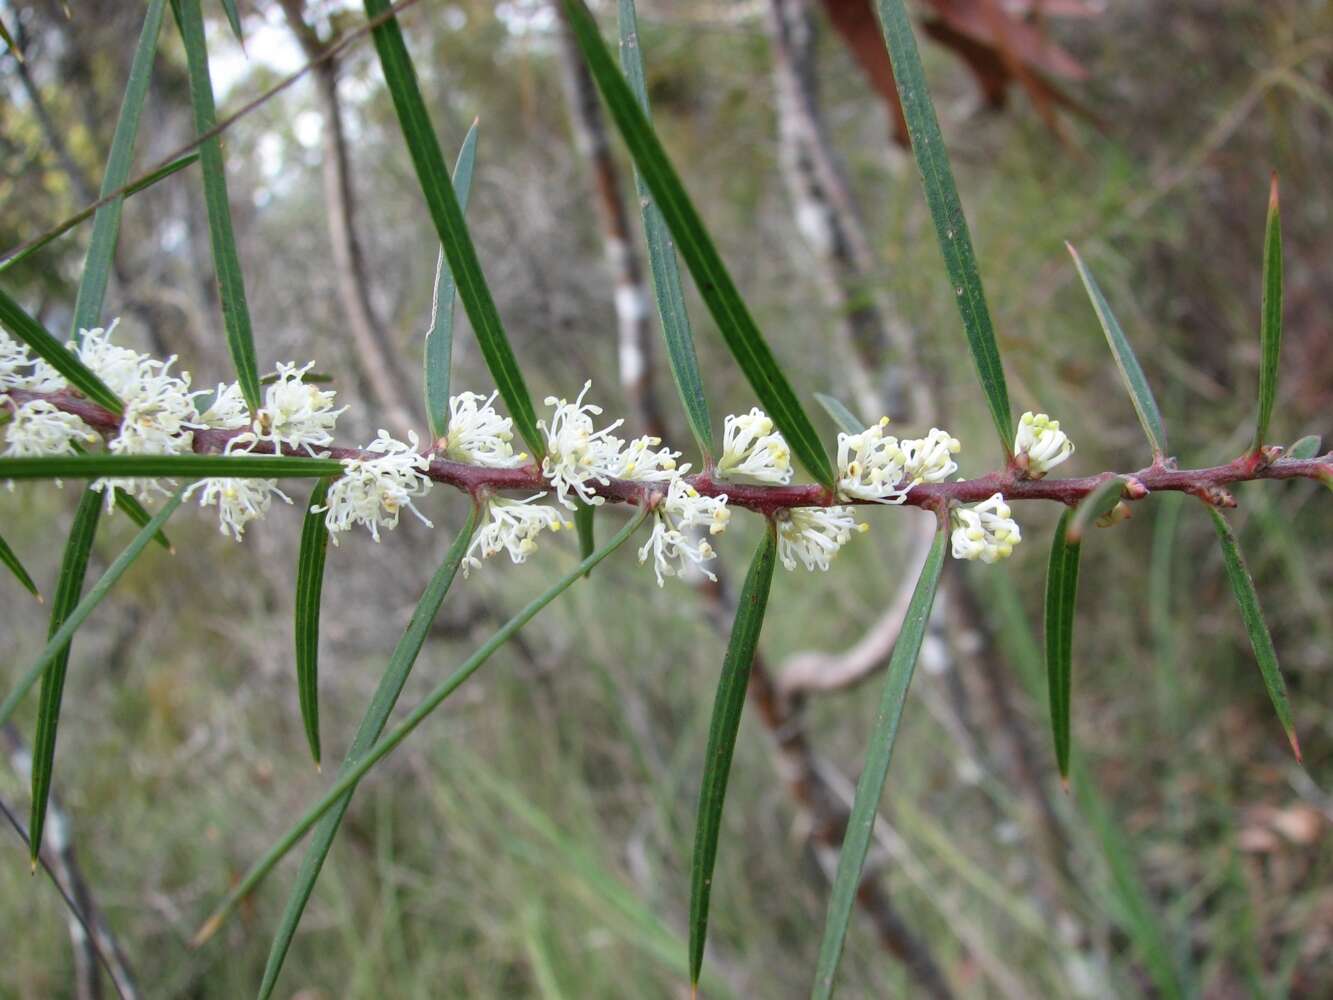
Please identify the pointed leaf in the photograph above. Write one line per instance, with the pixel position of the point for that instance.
(946, 211)
(1253, 616)
(368, 731)
(184, 466)
(25, 328)
(106, 223)
(226, 261)
(438, 189)
(81, 541)
(234, 19)
(1270, 326)
(54, 660)
(870, 787)
(843, 417)
(715, 285)
(309, 587)
(440, 336)
(147, 181)
(662, 262)
(1306, 447)
(722, 730)
(354, 771)
(8, 557)
(8, 39)
(1061, 596)
(1140, 394)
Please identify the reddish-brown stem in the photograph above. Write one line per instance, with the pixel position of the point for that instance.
(1210, 484)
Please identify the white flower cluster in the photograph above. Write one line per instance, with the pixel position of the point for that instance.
(1040, 445)
(513, 526)
(673, 545)
(373, 491)
(814, 535)
(878, 467)
(987, 531)
(752, 449)
(478, 435)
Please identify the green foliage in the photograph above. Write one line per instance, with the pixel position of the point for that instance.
(226, 260)
(25, 328)
(440, 336)
(714, 281)
(1061, 596)
(106, 223)
(946, 211)
(1140, 393)
(1242, 584)
(15, 566)
(676, 330)
(722, 730)
(237, 466)
(372, 725)
(309, 587)
(438, 190)
(870, 786)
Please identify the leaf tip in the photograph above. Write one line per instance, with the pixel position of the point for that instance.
(33, 870)
(38, 594)
(1272, 193)
(205, 932)
(1064, 782)
(1295, 746)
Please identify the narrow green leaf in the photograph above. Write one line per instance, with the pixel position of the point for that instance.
(583, 522)
(11, 560)
(106, 223)
(353, 772)
(368, 731)
(1061, 596)
(184, 466)
(1248, 599)
(16, 320)
(74, 565)
(1306, 447)
(56, 655)
(234, 19)
(8, 39)
(147, 181)
(1093, 506)
(440, 336)
(722, 730)
(309, 587)
(946, 211)
(438, 189)
(1140, 394)
(663, 264)
(715, 285)
(226, 262)
(1270, 326)
(843, 417)
(870, 787)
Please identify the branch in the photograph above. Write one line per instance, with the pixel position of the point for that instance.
(1208, 484)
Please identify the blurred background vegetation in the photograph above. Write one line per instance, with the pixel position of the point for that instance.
(533, 839)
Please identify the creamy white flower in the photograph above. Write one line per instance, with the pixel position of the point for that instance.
(987, 531)
(929, 459)
(1040, 445)
(121, 368)
(680, 519)
(294, 414)
(644, 461)
(38, 428)
(872, 466)
(577, 453)
(228, 410)
(479, 435)
(814, 535)
(13, 357)
(753, 449)
(239, 501)
(159, 416)
(372, 491)
(513, 527)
